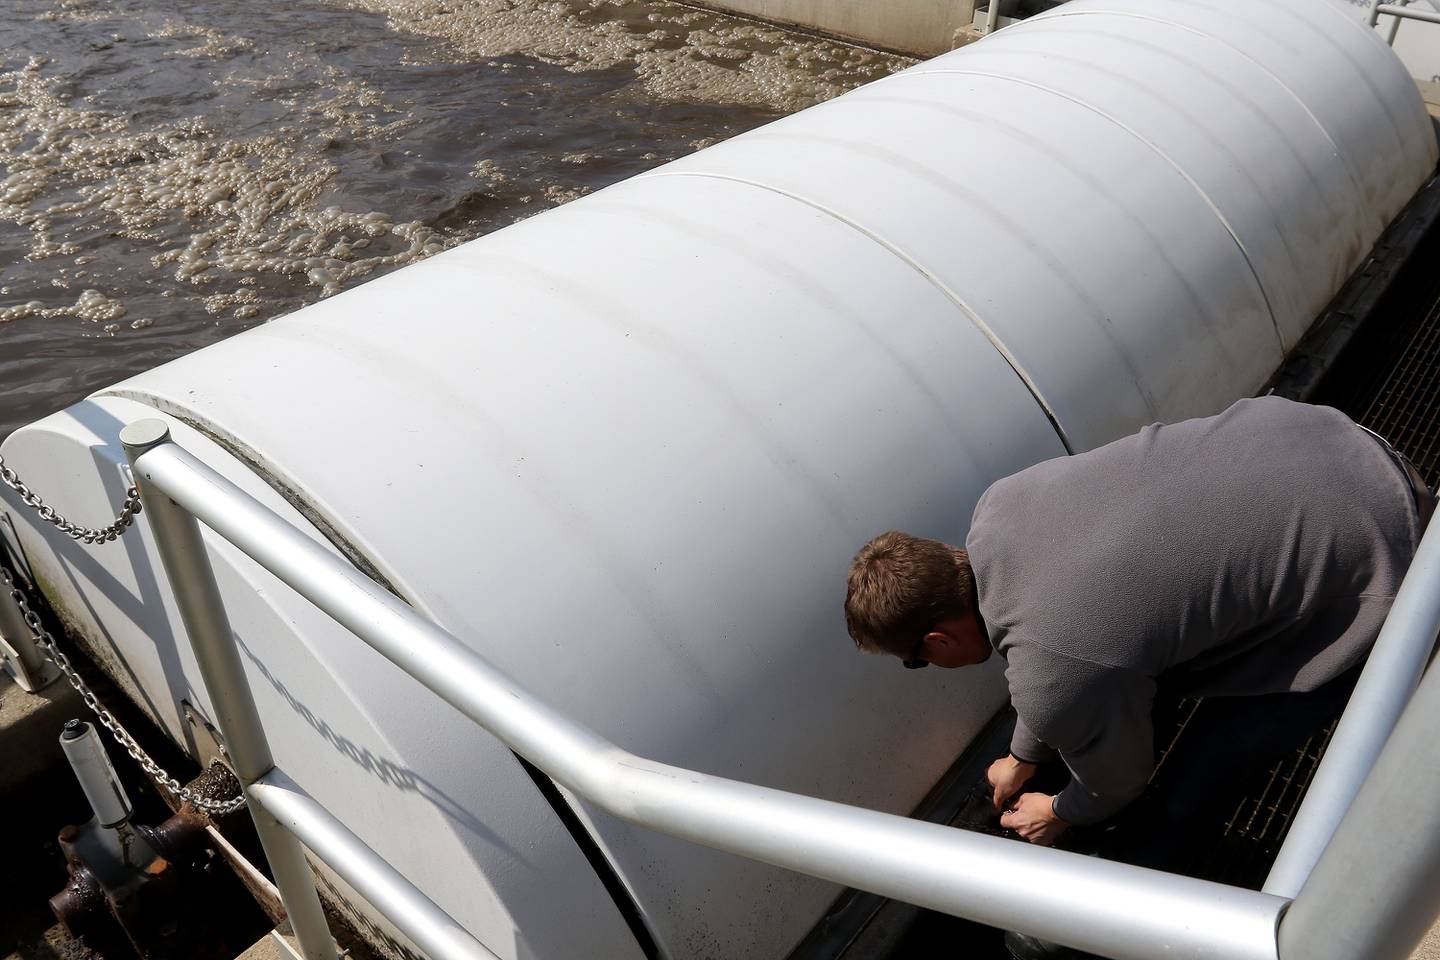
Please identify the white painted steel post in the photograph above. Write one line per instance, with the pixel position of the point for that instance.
(1373, 894)
(992, 18)
(1374, 17)
(1394, 21)
(192, 579)
(18, 649)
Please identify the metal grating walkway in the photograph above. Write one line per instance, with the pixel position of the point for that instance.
(1401, 400)
(1375, 354)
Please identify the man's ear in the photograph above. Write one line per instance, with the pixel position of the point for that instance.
(936, 640)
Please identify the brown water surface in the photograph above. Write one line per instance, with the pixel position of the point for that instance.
(174, 171)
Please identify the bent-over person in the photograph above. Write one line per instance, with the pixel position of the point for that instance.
(1252, 553)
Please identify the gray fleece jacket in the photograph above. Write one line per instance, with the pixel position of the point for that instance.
(1252, 552)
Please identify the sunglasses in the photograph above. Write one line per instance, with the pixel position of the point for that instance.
(913, 662)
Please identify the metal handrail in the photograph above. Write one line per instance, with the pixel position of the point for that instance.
(1116, 910)
(416, 915)
(1373, 894)
(1391, 674)
(1400, 11)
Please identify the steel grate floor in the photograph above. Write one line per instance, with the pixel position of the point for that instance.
(1403, 402)
(1391, 383)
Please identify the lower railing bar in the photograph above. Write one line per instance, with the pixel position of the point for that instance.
(431, 929)
(192, 580)
(1389, 678)
(1118, 911)
(1374, 892)
(1409, 13)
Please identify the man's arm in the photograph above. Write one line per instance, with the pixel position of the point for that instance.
(1028, 748)
(1010, 773)
(1108, 744)
(1098, 718)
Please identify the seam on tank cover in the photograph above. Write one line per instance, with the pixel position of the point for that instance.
(605, 871)
(915, 265)
(1350, 171)
(1154, 148)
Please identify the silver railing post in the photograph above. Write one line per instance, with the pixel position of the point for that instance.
(182, 551)
(1394, 22)
(1374, 17)
(1373, 894)
(18, 651)
(992, 17)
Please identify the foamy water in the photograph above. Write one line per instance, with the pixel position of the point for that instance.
(173, 172)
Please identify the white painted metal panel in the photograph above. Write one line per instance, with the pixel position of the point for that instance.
(1250, 149)
(643, 506)
(1045, 220)
(442, 801)
(1357, 90)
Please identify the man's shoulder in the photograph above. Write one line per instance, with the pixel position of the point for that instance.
(1047, 685)
(1050, 669)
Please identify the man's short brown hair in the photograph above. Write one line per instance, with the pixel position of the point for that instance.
(901, 586)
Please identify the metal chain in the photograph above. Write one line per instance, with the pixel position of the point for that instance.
(74, 530)
(47, 643)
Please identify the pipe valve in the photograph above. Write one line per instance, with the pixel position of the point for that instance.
(97, 777)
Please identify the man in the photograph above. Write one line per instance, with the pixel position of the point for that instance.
(1250, 553)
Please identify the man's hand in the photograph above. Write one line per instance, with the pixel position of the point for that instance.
(1033, 817)
(1006, 776)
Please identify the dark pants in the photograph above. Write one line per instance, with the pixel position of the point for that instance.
(1225, 753)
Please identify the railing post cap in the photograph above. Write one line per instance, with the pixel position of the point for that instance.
(143, 434)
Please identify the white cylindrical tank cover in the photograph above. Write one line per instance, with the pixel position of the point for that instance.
(1160, 195)
(626, 448)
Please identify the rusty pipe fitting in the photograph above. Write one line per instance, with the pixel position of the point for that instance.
(180, 839)
(81, 904)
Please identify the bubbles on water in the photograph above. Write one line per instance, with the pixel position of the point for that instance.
(213, 42)
(95, 307)
(78, 11)
(192, 166)
(237, 300)
(22, 311)
(678, 53)
(558, 194)
(215, 208)
(489, 171)
(92, 306)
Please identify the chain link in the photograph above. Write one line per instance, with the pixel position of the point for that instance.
(46, 642)
(74, 530)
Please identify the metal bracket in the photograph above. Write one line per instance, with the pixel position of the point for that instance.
(20, 656)
(209, 741)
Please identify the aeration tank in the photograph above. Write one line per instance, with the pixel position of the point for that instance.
(626, 449)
